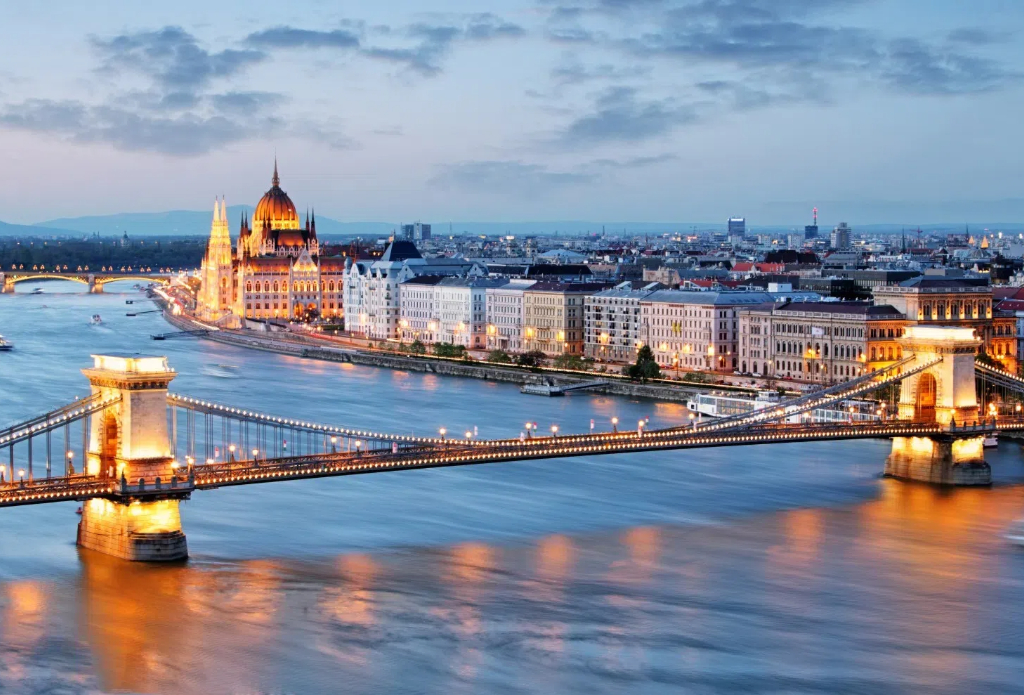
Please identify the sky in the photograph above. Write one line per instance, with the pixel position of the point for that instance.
(602, 110)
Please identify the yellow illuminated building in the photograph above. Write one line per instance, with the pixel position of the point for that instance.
(276, 269)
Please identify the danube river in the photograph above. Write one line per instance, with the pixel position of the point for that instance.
(768, 569)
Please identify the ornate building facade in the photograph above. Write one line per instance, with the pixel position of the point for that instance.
(276, 269)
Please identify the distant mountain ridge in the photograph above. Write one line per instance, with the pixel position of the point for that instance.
(192, 223)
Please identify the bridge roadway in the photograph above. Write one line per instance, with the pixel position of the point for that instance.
(462, 453)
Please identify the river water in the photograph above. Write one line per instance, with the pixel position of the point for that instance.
(769, 569)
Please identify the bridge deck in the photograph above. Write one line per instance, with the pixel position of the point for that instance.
(247, 472)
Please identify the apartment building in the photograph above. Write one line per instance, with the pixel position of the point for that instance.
(695, 330)
(553, 316)
(504, 308)
(612, 321)
(819, 342)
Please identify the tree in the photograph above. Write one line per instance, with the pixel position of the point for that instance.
(534, 358)
(697, 378)
(417, 347)
(574, 362)
(449, 350)
(499, 357)
(645, 367)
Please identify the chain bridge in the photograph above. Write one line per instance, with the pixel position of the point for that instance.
(131, 451)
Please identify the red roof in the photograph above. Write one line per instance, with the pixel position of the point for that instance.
(744, 267)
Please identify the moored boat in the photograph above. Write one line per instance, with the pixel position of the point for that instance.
(5, 345)
(718, 405)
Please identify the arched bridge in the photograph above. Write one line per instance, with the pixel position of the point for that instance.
(94, 281)
(143, 450)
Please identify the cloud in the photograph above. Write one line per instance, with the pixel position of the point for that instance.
(177, 113)
(172, 58)
(419, 47)
(290, 37)
(917, 68)
(619, 116)
(976, 36)
(575, 72)
(511, 178)
(245, 102)
(187, 134)
(635, 162)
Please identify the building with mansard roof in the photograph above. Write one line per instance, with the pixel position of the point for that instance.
(275, 270)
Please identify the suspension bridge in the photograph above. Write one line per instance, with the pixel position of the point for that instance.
(132, 450)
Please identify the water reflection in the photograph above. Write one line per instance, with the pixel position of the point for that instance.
(915, 588)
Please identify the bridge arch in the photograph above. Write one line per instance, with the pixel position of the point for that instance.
(945, 391)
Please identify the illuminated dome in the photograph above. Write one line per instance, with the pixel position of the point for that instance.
(276, 208)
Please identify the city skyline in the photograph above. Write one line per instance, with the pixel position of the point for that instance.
(618, 110)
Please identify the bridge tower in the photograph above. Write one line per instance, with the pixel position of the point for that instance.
(944, 393)
(94, 287)
(6, 283)
(129, 445)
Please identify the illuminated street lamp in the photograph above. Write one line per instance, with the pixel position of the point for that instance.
(255, 454)
(71, 463)
(615, 424)
(334, 442)
(359, 444)
(640, 428)
(232, 450)
(443, 431)
(554, 430)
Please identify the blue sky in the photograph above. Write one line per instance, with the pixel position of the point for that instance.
(605, 110)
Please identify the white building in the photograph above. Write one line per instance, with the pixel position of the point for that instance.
(612, 322)
(436, 309)
(505, 315)
(371, 288)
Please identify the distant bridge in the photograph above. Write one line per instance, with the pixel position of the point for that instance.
(94, 281)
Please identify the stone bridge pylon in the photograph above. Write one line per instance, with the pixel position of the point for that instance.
(943, 393)
(129, 445)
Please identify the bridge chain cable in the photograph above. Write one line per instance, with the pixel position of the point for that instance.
(822, 399)
(56, 418)
(999, 377)
(204, 406)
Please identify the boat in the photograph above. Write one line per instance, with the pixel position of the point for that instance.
(95, 320)
(1015, 534)
(719, 404)
(990, 441)
(222, 371)
(37, 290)
(5, 345)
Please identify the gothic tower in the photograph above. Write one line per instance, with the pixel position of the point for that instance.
(216, 296)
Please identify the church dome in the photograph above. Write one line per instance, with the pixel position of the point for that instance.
(276, 207)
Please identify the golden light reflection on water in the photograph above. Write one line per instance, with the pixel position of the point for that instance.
(917, 565)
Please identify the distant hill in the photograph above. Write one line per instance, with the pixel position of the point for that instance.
(194, 222)
(8, 229)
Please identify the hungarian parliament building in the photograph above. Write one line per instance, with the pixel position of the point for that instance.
(274, 271)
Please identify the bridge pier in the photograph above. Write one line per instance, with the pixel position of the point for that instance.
(6, 284)
(133, 529)
(129, 444)
(944, 460)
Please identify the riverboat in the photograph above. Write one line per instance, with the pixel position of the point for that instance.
(718, 405)
(5, 345)
(96, 320)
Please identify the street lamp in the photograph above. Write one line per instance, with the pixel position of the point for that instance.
(334, 441)
(554, 430)
(443, 431)
(232, 450)
(640, 428)
(615, 424)
(255, 454)
(358, 443)
(71, 463)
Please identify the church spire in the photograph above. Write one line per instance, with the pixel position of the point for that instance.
(277, 179)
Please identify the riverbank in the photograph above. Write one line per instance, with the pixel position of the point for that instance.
(312, 348)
